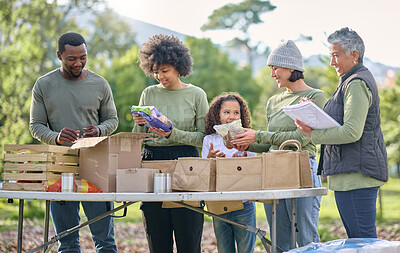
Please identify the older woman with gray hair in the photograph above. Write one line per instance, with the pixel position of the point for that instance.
(353, 155)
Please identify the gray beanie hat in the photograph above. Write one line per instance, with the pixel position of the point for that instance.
(286, 55)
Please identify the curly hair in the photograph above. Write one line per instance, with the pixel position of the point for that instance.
(212, 118)
(163, 49)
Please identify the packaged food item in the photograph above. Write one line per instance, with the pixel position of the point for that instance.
(226, 131)
(85, 186)
(81, 185)
(154, 118)
(52, 185)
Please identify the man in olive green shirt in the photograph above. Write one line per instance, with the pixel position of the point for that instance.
(65, 103)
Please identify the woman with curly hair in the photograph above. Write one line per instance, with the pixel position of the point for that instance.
(167, 59)
(224, 109)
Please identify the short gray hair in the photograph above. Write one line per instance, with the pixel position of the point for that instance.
(349, 40)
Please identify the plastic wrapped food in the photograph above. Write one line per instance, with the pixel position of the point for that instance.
(81, 185)
(228, 130)
(154, 118)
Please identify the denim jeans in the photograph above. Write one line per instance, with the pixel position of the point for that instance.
(65, 215)
(307, 214)
(227, 234)
(357, 210)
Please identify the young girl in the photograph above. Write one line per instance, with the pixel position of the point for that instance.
(227, 108)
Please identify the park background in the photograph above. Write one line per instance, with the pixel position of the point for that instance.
(29, 30)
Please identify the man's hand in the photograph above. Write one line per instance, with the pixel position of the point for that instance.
(93, 131)
(214, 153)
(67, 135)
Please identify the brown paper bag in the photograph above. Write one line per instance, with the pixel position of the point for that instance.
(220, 207)
(238, 174)
(305, 167)
(166, 166)
(285, 169)
(194, 174)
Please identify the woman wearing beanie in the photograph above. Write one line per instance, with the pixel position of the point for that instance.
(353, 155)
(286, 63)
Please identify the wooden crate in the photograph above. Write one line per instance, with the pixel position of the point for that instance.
(27, 167)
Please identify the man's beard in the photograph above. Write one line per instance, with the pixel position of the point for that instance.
(75, 76)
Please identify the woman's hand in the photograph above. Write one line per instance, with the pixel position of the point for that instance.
(160, 132)
(214, 153)
(138, 119)
(305, 129)
(242, 141)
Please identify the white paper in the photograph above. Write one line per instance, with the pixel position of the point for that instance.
(309, 113)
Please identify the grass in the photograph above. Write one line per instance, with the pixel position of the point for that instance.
(388, 211)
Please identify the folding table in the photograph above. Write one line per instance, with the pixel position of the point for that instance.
(178, 197)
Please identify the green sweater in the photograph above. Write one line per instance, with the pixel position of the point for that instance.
(357, 99)
(186, 108)
(58, 103)
(280, 127)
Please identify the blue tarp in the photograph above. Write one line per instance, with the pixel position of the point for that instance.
(362, 245)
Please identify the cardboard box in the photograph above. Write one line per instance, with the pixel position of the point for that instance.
(100, 157)
(136, 180)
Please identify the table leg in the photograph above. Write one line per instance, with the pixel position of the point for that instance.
(20, 224)
(273, 227)
(294, 224)
(46, 224)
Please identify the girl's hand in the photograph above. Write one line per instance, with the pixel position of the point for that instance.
(237, 155)
(214, 153)
(160, 132)
(138, 119)
(305, 129)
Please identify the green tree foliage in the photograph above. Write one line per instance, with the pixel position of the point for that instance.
(239, 17)
(29, 30)
(322, 77)
(127, 81)
(24, 29)
(390, 117)
(110, 39)
(215, 73)
(268, 88)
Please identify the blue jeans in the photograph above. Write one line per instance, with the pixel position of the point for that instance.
(227, 234)
(307, 214)
(357, 210)
(65, 215)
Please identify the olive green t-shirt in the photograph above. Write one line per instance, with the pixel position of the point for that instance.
(58, 102)
(281, 127)
(185, 107)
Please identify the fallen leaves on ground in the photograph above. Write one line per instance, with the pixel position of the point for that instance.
(130, 237)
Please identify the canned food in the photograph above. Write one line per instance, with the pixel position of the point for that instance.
(160, 182)
(168, 183)
(67, 182)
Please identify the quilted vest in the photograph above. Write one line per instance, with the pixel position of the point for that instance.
(368, 154)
